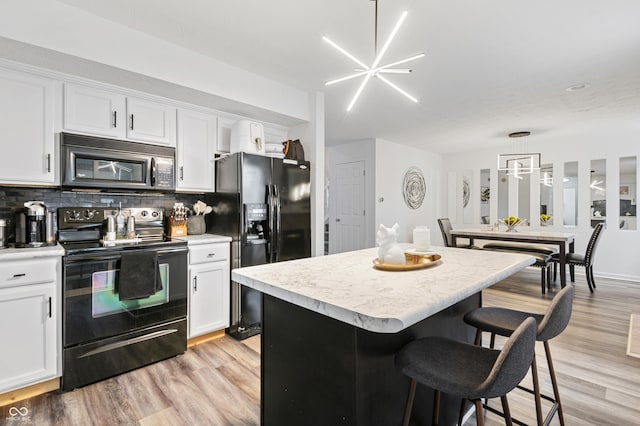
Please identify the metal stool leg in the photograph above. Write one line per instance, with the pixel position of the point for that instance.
(409, 406)
(505, 410)
(554, 382)
(536, 390)
(436, 407)
(479, 413)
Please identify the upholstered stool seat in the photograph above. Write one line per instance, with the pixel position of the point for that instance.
(467, 371)
(503, 322)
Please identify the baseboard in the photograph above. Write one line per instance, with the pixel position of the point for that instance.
(204, 338)
(14, 396)
(620, 277)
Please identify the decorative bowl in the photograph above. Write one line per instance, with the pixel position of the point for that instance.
(512, 222)
(545, 219)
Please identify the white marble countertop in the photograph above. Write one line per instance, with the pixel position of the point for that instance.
(193, 240)
(30, 253)
(348, 288)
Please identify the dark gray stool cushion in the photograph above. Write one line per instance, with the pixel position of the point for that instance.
(503, 321)
(469, 371)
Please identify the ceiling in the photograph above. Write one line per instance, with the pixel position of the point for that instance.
(491, 67)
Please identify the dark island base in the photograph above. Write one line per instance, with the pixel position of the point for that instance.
(320, 371)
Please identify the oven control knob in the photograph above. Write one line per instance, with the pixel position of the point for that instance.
(144, 213)
(74, 214)
(88, 214)
(155, 214)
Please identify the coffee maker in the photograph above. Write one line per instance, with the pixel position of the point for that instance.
(35, 223)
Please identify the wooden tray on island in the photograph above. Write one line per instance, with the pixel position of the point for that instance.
(412, 262)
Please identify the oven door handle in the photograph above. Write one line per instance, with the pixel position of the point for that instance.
(128, 342)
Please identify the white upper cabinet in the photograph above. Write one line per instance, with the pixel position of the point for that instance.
(94, 111)
(224, 135)
(99, 112)
(27, 129)
(151, 122)
(196, 147)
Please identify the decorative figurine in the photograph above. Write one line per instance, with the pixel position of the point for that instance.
(390, 251)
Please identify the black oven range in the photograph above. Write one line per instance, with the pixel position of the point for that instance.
(124, 305)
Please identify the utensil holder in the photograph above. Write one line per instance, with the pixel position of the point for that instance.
(196, 225)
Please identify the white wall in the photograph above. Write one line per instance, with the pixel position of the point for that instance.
(69, 30)
(616, 255)
(392, 161)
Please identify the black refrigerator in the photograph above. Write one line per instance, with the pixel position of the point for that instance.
(264, 205)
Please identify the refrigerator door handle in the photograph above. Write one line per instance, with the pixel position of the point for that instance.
(278, 220)
(271, 245)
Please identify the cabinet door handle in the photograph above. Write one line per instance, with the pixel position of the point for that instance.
(181, 172)
(195, 284)
(115, 118)
(19, 275)
(131, 121)
(50, 313)
(48, 163)
(211, 254)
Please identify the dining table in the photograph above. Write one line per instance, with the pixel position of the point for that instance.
(565, 241)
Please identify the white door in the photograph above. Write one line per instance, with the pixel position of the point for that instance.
(348, 228)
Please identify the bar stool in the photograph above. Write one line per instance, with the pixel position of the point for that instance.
(503, 322)
(467, 371)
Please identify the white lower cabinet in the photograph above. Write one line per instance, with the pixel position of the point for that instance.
(209, 287)
(29, 293)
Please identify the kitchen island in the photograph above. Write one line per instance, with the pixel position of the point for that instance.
(331, 327)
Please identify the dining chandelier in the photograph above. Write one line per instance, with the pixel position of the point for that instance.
(375, 70)
(519, 163)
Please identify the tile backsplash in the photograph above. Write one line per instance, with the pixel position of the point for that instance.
(12, 199)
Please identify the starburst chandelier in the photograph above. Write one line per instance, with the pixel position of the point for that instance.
(375, 69)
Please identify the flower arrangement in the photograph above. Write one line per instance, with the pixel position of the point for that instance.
(544, 219)
(512, 222)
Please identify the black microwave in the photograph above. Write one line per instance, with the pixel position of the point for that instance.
(90, 162)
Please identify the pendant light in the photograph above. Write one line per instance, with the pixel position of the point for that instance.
(375, 70)
(521, 162)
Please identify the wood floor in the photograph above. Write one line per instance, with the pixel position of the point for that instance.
(218, 382)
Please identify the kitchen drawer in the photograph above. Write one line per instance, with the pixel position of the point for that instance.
(22, 272)
(208, 253)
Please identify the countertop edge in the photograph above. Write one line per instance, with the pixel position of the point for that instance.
(377, 324)
(194, 240)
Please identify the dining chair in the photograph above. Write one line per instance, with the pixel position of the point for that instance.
(586, 260)
(467, 371)
(445, 229)
(503, 322)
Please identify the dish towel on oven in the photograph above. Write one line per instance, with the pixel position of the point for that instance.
(139, 276)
